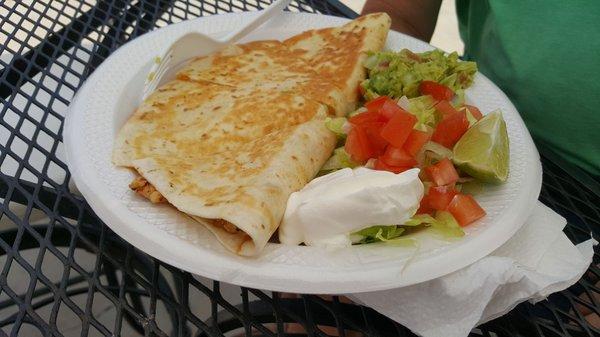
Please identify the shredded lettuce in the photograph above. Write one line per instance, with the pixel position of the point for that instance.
(391, 235)
(449, 80)
(404, 103)
(379, 233)
(442, 224)
(336, 125)
(459, 98)
(423, 108)
(446, 225)
(402, 242)
(431, 153)
(399, 73)
(419, 219)
(438, 149)
(357, 111)
(472, 120)
(339, 160)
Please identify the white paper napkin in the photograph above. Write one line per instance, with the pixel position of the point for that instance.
(537, 261)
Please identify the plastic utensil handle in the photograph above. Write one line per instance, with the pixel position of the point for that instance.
(261, 18)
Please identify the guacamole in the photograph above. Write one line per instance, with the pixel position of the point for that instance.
(398, 74)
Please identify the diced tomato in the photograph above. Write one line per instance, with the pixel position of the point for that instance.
(445, 109)
(474, 111)
(366, 117)
(450, 129)
(442, 173)
(382, 166)
(465, 209)
(439, 197)
(415, 141)
(373, 131)
(398, 128)
(358, 146)
(390, 108)
(376, 104)
(397, 157)
(438, 91)
(424, 176)
(424, 207)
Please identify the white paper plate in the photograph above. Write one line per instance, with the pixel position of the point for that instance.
(107, 99)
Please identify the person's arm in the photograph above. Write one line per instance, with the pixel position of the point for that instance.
(415, 18)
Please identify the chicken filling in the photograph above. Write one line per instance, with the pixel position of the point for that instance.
(142, 187)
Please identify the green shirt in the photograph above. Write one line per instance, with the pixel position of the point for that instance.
(545, 55)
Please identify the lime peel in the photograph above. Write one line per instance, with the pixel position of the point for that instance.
(483, 151)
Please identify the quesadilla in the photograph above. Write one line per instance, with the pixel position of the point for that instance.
(185, 119)
(337, 53)
(236, 132)
(269, 65)
(241, 195)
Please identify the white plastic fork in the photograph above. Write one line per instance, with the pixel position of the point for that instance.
(197, 44)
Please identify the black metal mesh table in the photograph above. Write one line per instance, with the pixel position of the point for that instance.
(101, 285)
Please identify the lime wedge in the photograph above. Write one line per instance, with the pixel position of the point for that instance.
(482, 151)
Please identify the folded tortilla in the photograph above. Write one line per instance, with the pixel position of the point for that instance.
(338, 53)
(238, 131)
(269, 65)
(248, 187)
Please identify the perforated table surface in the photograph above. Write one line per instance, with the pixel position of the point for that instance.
(64, 273)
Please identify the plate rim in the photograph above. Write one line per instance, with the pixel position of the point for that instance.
(317, 280)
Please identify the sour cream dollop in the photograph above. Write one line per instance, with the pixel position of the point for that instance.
(329, 208)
